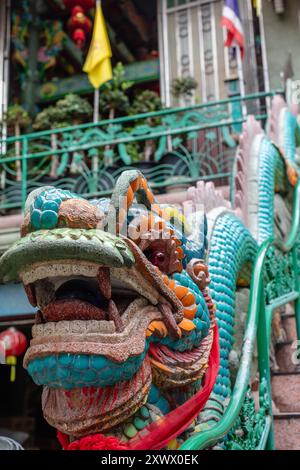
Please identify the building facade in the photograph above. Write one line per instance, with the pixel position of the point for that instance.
(158, 43)
(186, 33)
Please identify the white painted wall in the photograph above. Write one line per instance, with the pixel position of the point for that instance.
(4, 60)
(191, 42)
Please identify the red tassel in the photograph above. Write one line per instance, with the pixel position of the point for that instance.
(93, 442)
(157, 435)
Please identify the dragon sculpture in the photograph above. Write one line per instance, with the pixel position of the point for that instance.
(137, 302)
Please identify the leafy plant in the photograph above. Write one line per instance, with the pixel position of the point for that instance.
(67, 110)
(134, 151)
(74, 108)
(113, 97)
(17, 119)
(146, 101)
(50, 118)
(183, 87)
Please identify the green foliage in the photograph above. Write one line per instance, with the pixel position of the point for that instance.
(118, 81)
(16, 115)
(146, 101)
(113, 97)
(134, 151)
(50, 118)
(114, 101)
(64, 113)
(183, 87)
(74, 108)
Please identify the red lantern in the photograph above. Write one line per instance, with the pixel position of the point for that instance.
(2, 353)
(15, 344)
(79, 37)
(85, 4)
(79, 24)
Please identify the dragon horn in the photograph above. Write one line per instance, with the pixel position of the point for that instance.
(131, 184)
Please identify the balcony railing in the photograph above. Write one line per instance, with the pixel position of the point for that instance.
(172, 147)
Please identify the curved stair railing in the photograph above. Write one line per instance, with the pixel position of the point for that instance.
(275, 282)
(187, 144)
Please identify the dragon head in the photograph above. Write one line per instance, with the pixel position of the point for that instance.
(123, 327)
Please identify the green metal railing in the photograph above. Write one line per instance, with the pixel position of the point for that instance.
(277, 265)
(172, 147)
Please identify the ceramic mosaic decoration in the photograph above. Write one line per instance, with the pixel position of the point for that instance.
(136, 303)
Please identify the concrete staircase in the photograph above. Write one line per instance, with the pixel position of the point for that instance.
(286, 390)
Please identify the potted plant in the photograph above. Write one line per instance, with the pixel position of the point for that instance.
(183, 88)
(17, 119)
(51, 118)
(75, 109)
(113, 99)
(114, 102)
(146, 101)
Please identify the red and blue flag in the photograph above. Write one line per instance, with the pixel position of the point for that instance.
(231, 20)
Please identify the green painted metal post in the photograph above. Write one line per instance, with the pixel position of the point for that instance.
(236, 107)
(297, 288)
(263, 346)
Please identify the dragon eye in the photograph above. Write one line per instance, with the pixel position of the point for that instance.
(158, 243)
(160, 255)
(157, 258)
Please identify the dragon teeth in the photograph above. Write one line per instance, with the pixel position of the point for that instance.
(78, 327)
(37, 330)
(64, 327)
(48, 329)
(92, 326)
(104, 283)
(106, 327)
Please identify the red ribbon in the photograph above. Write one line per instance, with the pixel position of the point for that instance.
(158, 434)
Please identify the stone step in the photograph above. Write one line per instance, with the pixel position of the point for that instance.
(287, 431)
(286, 356)
(286, 392)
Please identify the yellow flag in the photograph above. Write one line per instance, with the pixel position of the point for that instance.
(98, 64)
